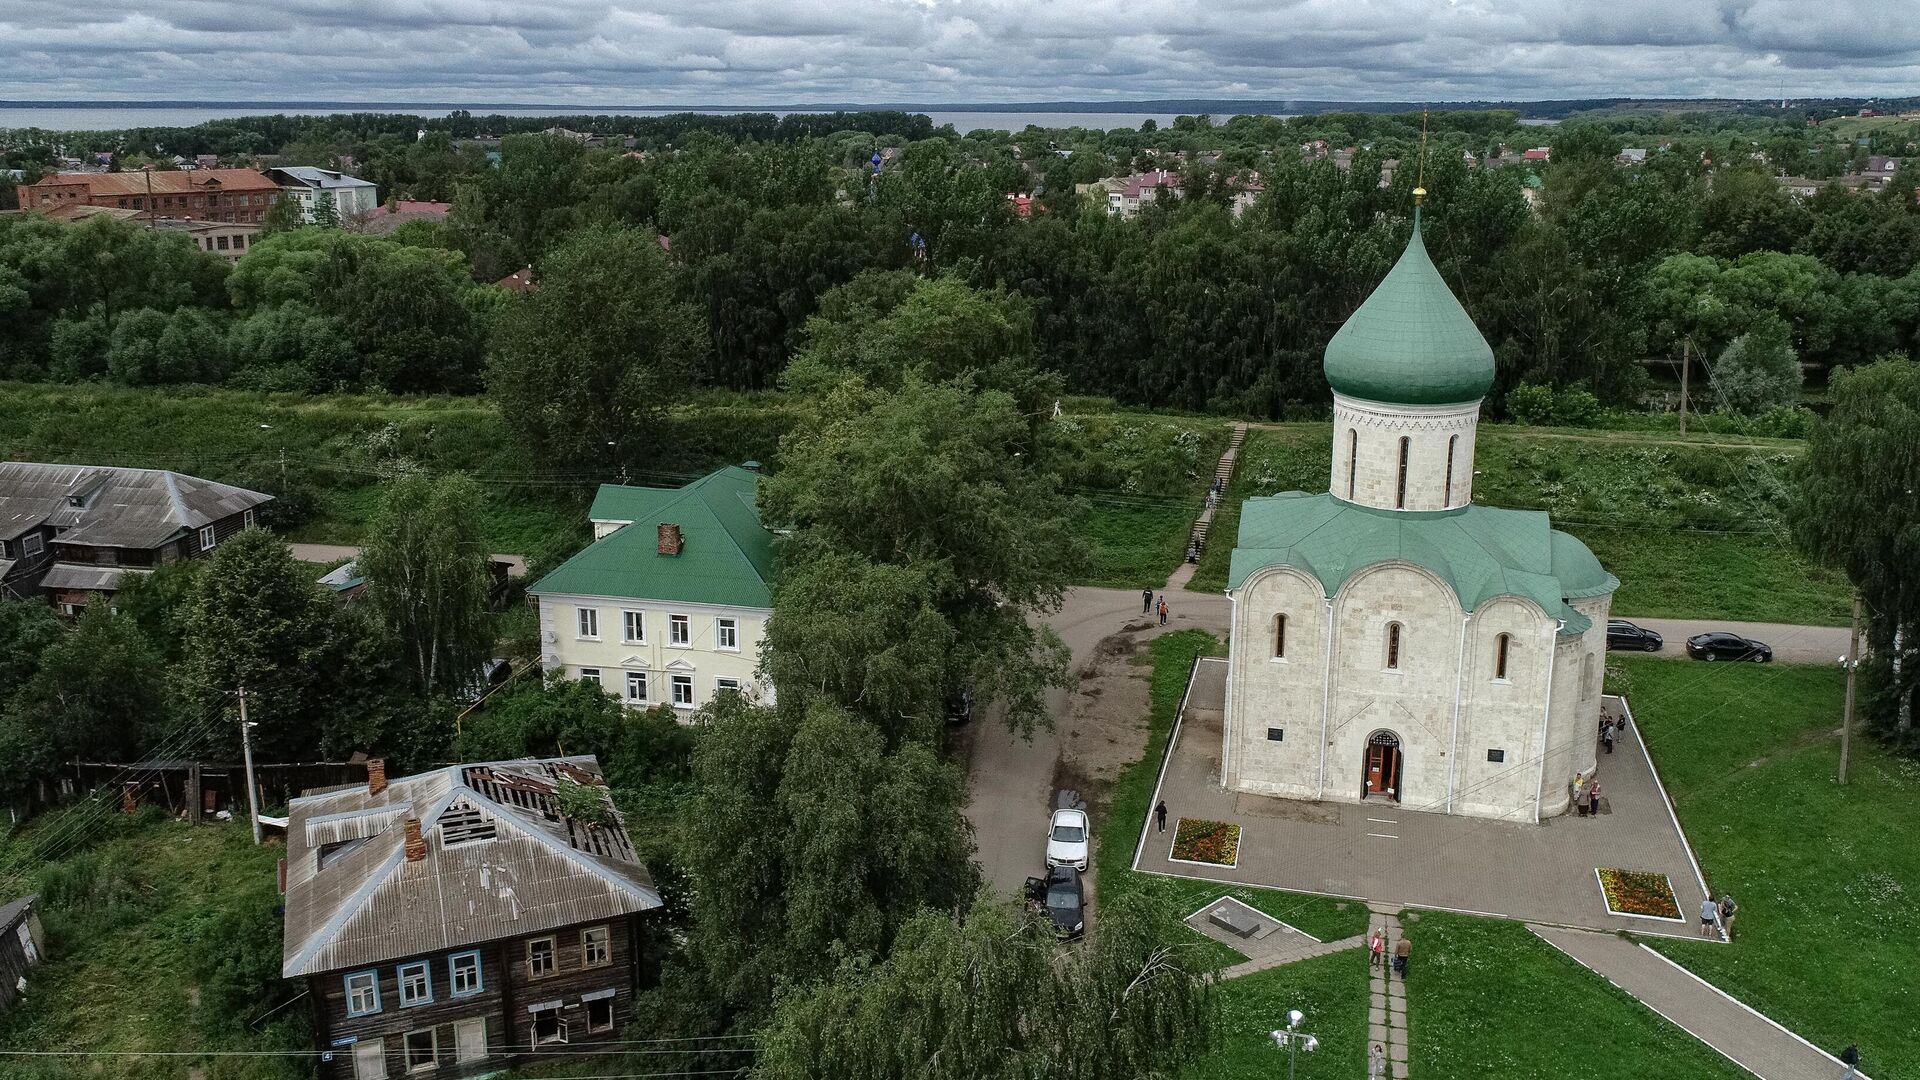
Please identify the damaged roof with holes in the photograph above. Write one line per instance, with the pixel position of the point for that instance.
(502, 859)
(726, 555)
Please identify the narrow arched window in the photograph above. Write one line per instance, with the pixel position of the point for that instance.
(1353, 459)
(1500, 646)
(1279, 637)
(1406, 450)
(1453, 443)
(1393, 646)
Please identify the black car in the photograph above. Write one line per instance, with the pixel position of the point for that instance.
(1720, 645)
(1622, 634)
(1060, 896)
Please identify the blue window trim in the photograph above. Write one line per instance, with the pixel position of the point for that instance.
(425, 969)
(346, 983)
(479, 975)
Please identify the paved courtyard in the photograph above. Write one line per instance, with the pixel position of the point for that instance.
(1383, 853)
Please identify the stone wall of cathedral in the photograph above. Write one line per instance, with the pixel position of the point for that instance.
(1367, 452)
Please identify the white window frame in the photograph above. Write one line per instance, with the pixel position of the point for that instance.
(433, 1044)
(373, 985)
(646, 688)
(592, 675)
(424, 971)
(455, 971)
(728, 684)
(631, 620)
(680, 631)
(31, 545)
(675, 684)
(726, 634)
(586, 623)
(370, 1059)
(592, 1028)
(560, 1021)
(553, 958)
(588, 947)
(208, 538)
(246, 519)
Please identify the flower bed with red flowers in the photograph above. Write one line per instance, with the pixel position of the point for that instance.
(1639, 892)
(1201, 841)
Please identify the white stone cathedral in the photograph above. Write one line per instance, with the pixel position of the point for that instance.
(1392, 640)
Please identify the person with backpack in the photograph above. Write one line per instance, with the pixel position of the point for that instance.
(1850, 1057)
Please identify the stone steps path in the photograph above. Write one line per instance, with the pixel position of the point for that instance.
(1387, 1002)
(1740, 1034)
(1203, 525)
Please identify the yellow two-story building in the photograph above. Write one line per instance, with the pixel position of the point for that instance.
(669, 603)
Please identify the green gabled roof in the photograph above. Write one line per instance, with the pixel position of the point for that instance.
(1479, 551)
(726, 558)
(1411, 343)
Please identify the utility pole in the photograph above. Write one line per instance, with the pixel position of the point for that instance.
(1853, 661)
(1686, 365)
(246, 752)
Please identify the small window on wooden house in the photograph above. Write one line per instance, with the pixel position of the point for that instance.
(548, 1027)
(541, 961)
(600, 1015)
(596, 947)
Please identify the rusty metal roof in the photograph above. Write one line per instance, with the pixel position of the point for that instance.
(501, 861)
(126, 508)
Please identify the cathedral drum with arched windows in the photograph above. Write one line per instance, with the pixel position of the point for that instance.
(1391, 639)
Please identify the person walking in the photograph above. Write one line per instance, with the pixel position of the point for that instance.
(1377, 1062)
(1160, 815)
(1727, 910)
(1402, 954)
(1593, 798)
(1606, 734)
(1377, 949)
(1163, 611)
(1709, 914)
(1146, 601)
(1850, 1057)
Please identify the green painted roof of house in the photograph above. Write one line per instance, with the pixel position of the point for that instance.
(726, 556)
(1411, 343)
(1480, 551)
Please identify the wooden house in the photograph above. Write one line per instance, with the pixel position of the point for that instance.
(453, 922)
(22, 946)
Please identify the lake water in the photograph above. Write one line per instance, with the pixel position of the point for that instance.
(116, 116)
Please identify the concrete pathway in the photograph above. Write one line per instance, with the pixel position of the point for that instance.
(329, 553)
(1739, 1033)
(1302, 949)
(1387, 1001)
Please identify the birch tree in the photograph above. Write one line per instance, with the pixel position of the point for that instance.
(426, 571)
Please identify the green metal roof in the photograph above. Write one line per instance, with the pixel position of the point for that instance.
(726, 557)
(1411, 343)
(1480, 551)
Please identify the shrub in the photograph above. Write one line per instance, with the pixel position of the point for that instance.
(1540, 405)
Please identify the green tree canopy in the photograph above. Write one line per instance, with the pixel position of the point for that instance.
(587, 363)
(99, 693)
(1758, 371)
(426, 566)
(992, 997)
(1856, 508)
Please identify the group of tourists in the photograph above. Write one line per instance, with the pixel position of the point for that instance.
(1586, 795)
(1377, 952)
(1147, 605)
(1716, 916)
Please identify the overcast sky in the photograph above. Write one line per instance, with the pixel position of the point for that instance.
(738, 52)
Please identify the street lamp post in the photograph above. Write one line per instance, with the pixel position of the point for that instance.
(1293, 1040)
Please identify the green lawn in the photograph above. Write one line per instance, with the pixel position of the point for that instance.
(1330, 990)
(1172, 656)
(162, 937)
(1134, 543)
(1692, 529)
(1487, 1000)
(1828, 939)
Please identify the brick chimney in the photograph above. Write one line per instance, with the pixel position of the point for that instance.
(670, 541)
(376, 776)
(416, 843)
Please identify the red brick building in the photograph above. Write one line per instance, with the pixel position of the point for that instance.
(240, 196)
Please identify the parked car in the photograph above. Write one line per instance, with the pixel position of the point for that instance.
(1060, 896)
(1622, 634)
(1067, 839)
(960, 706)
(1721, 645)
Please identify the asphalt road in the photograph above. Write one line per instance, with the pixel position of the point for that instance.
(326, 553)
(1011, 787)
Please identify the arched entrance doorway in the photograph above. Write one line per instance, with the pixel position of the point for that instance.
(1380, 775)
